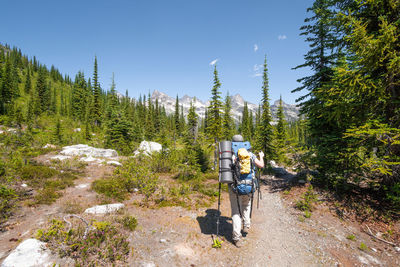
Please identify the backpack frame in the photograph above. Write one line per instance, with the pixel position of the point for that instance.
(243, 183)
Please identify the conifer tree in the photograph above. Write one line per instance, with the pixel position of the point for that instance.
(96, 109)
(325, 51)
(118, 129)
(176, 116)
(228, 123)
(214, 123)
(42, 92)
(246, 125)
(6, 96)
(28, 83)
(192, 123)
(280, 136)
(57, 134)
(265, 130)
(79, 97)
(182, 122)
(53, 99)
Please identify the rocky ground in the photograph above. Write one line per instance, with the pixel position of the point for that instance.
(175, 236)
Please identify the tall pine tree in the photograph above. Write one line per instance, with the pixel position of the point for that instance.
(96, 109)
(214, 130)
(228, 123)
(264, 136)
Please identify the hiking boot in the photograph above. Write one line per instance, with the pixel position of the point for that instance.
(237, 243)
(245, 231)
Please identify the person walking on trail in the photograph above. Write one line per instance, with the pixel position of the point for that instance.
(241, 204)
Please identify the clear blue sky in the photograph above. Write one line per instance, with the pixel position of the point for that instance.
(166, 45)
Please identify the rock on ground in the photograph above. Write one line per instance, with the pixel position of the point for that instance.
(104, 209)
(148, 148)
(88, 151)
(114, 162)
(31, 252)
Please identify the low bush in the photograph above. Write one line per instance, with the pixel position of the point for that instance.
(7, 201)
(129, 222)
(105, 243)
(307, 200)
(125, 179)
(47, 181)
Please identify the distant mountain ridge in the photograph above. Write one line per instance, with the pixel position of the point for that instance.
(291, 111)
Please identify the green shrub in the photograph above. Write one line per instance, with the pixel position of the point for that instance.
(351, 237)
(393, 194)
(188, 172)
(47, 181)
(129, 222)
(104, 245)
(307, 200)
(111, 187)
(307, 214)
(2, 168)
(125, 179)
(7, 200)
(363, 247)
(46, 195)
(37, 173)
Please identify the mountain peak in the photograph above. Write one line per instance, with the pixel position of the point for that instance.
(238, 98)
(237, 102)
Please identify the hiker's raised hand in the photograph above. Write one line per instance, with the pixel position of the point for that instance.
(261, 154)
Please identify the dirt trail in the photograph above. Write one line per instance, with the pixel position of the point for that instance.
(174, 236)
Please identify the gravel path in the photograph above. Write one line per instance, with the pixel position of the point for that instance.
(275, 238)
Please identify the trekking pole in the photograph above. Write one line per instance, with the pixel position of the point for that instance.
(251, 204)
(259, 188)
(219, 205)
(216, 242)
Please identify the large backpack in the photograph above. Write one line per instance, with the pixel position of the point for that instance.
(243, 168)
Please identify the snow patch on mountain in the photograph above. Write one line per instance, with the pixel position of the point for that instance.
(291, 111)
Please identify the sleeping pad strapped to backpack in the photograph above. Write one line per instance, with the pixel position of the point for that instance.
(242, 168)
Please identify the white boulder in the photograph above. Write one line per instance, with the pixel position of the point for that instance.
(31, 252)
(60, 157)
(91, 159)
(148, 148)
(114, 162)
(104, 209)
(50, 146)
(85, 150)
(273, 164)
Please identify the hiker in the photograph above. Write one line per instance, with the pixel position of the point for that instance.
(243, 200)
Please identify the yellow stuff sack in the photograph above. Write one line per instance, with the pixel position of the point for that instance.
(244, 160)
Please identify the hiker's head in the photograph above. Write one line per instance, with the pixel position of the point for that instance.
(237, 138)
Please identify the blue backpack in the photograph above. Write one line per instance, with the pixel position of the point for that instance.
(243, 184)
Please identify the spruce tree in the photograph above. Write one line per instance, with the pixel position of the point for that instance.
(96, 109)
(264, 136)
(118, 129)
(246, 126)
(6, 96)
(280, 136)
(214, 123)
(42, 92)
(176, 116)
(325, 50)
(28, 83)
(228, 123)
(79, 97)
(363, 99)
(58, 133)
(192, 123)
